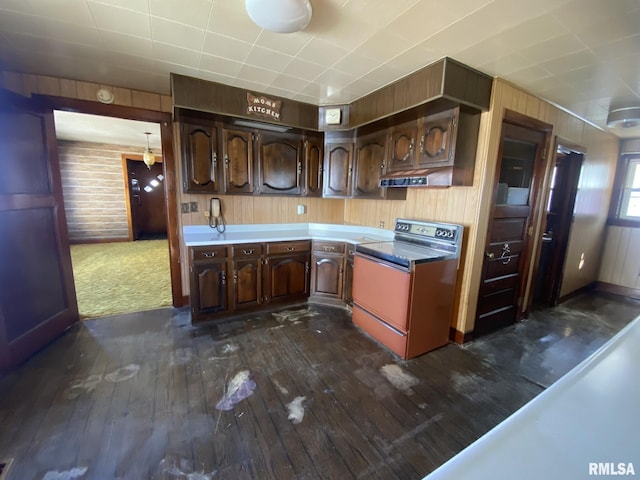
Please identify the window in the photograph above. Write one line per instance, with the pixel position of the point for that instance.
(626, 201)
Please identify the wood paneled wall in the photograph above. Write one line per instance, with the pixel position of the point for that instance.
(621, 257)
(93, 190)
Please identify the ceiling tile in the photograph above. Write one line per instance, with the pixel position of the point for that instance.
(268, 59)
(177, 55)
(279, 92)
(568, 62)
(216, 77)
(322, 52)
(69, 11)
(619, 48)
(553, 48)
(356, 64)
(579, 14)
(303, 69)
(256, 75)
(527, 75)
(141, 6)
(412, 59)
(419, 23)
(505, 65)
(120, 20)
(226, 20)
(226, 47)
(346, 32)
(287, 82)
(190, 12)
(289, 44)
(610, 29)
(384, 44)
(221, 65)
(374, 12)
(126, 44)
(177, 34)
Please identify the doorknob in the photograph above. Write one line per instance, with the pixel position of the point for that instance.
(489, 255)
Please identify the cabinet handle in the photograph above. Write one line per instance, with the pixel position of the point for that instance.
(226, 160)
(208, 254)
(248, 252)
(327, 248)
(224, 279)
(421, 143)
(235, 277)
(290, 249)
(299, 167)
(214, 165)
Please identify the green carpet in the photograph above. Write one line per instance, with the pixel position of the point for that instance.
(121, 277)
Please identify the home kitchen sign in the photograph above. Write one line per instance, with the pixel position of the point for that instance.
(262, 106)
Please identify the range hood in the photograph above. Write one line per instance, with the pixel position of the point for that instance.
(425, 177)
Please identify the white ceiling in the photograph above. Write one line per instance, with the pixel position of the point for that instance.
(583, 55)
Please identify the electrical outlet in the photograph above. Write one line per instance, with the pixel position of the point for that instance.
(194, 206)
(184, 207)
(206, 214)
(381, 224)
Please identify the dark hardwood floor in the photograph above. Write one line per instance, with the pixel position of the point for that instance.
(135, 396)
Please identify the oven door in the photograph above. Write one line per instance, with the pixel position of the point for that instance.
(383, 290)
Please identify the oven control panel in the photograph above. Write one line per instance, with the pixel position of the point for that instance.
(444, 232)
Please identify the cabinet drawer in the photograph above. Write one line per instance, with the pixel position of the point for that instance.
(208, 252)
(288, 247)
(246, 250)
(328, 247)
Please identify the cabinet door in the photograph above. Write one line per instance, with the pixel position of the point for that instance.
(279, 164)
(337, 169)
(437, 140)
(313, 168)
(247, 283)
(369, 163)
(402, 151)
(238, 161)
(327, 275)
(208, 290)
(200, 157)
(287, 277)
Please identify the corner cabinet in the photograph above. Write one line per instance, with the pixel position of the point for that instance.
(338, 169)
(279, 164)
(200, 158)
(437, 139)
(287, 271)
(327, 271)
(369, 165)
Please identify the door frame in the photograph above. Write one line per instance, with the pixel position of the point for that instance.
(540, 174)
(164, 119)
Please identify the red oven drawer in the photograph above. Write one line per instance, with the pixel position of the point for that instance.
(392, 339)
(382, 290)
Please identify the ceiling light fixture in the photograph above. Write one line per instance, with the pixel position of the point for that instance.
(148, 157)
(625, 117)
(280, 16)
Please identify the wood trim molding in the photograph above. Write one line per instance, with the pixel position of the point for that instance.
(458, 337)
(618, 290)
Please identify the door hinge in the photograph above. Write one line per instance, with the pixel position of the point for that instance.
(530, 231)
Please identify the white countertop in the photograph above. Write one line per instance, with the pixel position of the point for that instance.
(591, 415)
(198, 235)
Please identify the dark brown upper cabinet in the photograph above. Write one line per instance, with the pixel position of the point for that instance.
(279, 163)
(403, 145)
(200, 158)
(237, 147)
(369, 164)
(437, 139)
(338, 168)
(313, 165)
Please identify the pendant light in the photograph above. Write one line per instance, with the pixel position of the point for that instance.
(280, 16)
(148, 157)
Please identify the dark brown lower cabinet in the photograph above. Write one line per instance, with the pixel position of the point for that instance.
(209, 292)
(287, 278)
(327, 273)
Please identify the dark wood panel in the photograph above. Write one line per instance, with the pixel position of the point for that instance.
(508, 229)
(499, 267)
(496, 301)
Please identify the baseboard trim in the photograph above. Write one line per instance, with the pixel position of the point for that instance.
(618, 290)
(587, 288)
(458, 337)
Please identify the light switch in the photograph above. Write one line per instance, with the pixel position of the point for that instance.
(301, 209)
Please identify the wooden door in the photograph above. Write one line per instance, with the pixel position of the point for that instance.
(200, 157)
(146, 198)
(287, 277)
(437, 139)
(337, 169)
(279, 164)
(563, 189)
(37, 294)
(402, 151)
(313, 168)
(507, 253)
(369, 163)
(238, 161)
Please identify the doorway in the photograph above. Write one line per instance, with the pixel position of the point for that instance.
(563, 189)
(100, 157)
(508, 250)
(145, 191)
